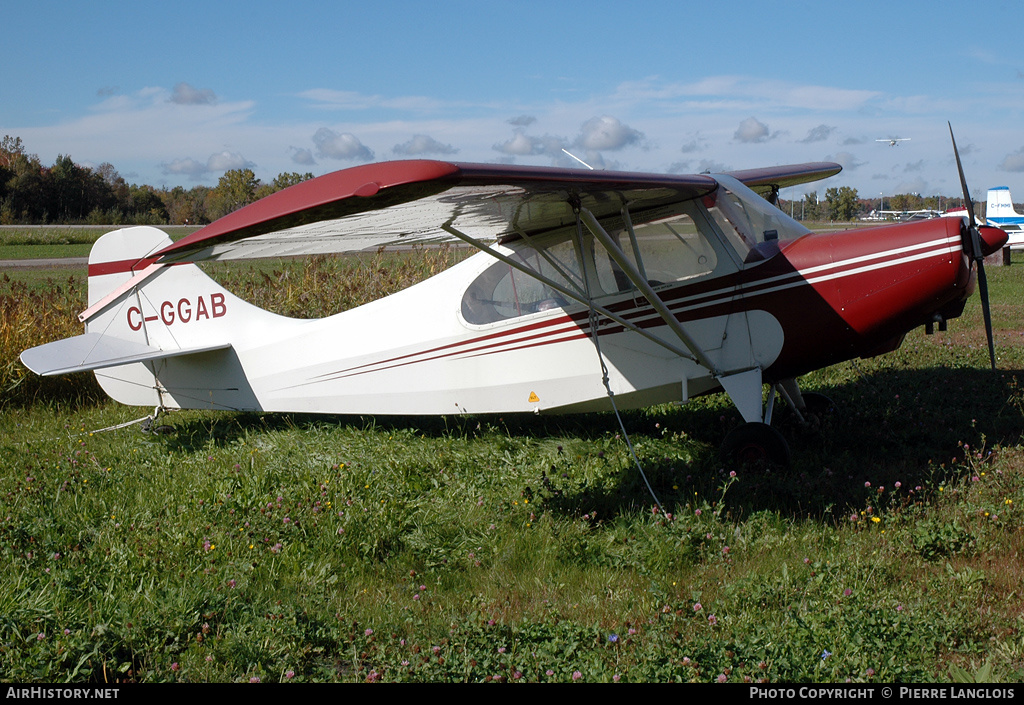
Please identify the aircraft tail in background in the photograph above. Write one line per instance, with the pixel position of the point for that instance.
(999, 211)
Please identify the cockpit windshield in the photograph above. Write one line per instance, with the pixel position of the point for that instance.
(748, 220)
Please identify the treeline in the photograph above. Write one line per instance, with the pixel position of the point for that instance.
(844, 204)
(68, 193)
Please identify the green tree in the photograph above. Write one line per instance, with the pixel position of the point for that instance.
(146, 206)
(235, 189)
(290, 178)
(842, 203)
(281, 182)
(69, 189)
(12, 149)
(186, 207)
(22, 189)
(811, 209)
(906, 202)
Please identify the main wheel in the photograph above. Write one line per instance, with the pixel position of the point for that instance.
(755, 445)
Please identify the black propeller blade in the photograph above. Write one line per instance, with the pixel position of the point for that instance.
(976, 253)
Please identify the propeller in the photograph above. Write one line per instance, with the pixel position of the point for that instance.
(976, 253)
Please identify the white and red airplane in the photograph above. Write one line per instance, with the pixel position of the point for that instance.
(590, 287)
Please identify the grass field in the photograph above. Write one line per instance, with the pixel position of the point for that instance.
(40, 242)
(283, 547)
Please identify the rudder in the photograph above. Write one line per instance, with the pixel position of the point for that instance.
(184, 317)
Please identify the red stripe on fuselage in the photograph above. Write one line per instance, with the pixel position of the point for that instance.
(120, 266)
(777, 284)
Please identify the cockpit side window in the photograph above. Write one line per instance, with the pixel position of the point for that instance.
(663, 252)
(669, 251)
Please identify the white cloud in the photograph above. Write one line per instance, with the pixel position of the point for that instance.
(522, 120)
(345, 146)
(695, 145)
(1013, 161)
(607, 133)
(423, 144)
(217, 163)
(330, 99)
(226, 161)
(184, 94)
(714, 167)
(520, 145)
(847, 160)
(818, 134)
(752, 130)
(302, 156)
(156, 131)
(186, 167)
(735, 92)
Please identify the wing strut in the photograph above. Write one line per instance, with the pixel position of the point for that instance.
(483, 247)
(697, 354)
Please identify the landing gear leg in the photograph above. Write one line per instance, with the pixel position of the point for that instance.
(755, 443)
(811, 410)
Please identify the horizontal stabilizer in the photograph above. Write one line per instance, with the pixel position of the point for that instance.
(94, 351)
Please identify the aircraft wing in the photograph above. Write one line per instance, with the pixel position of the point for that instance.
(411, 202)
(408, 202)
(774, 179)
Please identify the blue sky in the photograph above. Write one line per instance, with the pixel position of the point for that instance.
(176, 93)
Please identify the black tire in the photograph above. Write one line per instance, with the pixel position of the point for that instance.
(755, 445)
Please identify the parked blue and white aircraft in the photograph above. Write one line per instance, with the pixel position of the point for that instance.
(999, 212)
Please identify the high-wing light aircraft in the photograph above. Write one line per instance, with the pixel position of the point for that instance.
(589, 287)
(895, 141)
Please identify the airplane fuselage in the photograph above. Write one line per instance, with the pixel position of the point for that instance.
(807, 303)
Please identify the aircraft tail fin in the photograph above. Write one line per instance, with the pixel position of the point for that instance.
(1000, 205)
(157, 334)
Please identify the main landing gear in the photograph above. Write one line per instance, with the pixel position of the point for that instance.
(756, 443)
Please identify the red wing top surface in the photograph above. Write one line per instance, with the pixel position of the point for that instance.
(408, 202)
